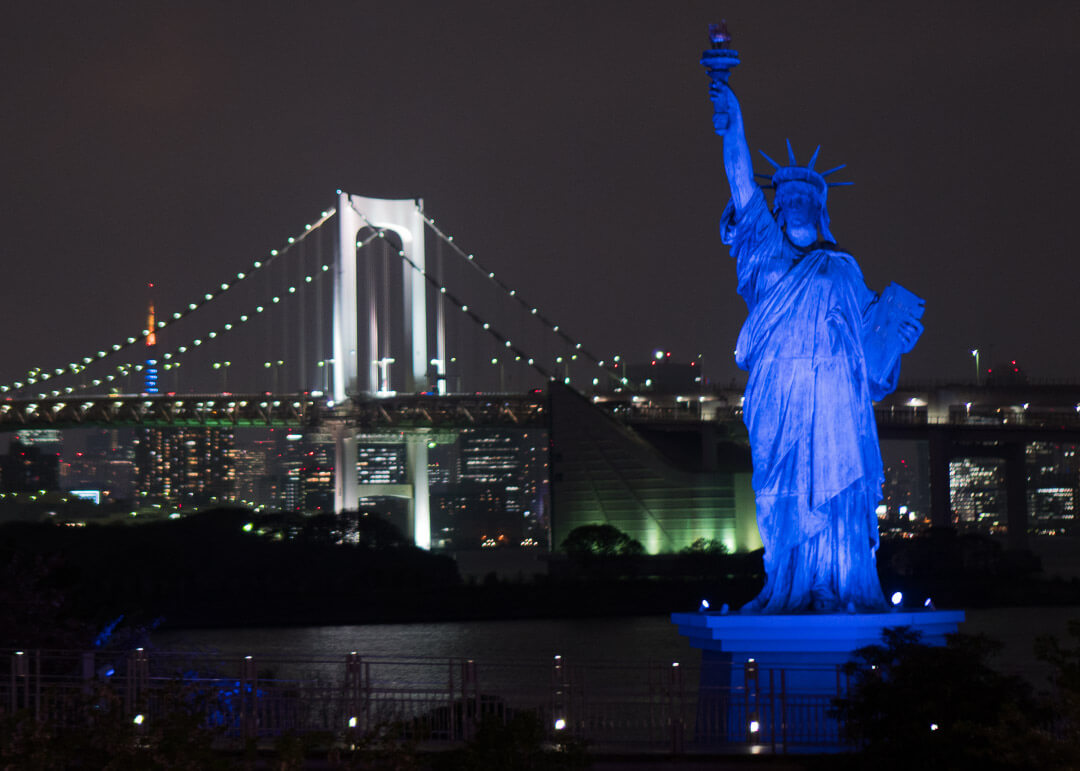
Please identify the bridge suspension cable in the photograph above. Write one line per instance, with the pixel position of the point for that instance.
(38, 375)
(470, 259)
(463, 307)
(170, 357)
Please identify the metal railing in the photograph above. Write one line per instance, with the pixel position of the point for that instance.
(644, 708)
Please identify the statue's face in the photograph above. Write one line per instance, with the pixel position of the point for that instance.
(802, 212)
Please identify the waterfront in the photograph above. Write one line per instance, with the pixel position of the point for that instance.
(638, 640)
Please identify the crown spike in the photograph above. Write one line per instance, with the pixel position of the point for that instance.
(775, 165)
(835, 168)
(813, 158)
(790, 153)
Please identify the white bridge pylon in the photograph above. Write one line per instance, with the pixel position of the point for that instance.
(352, 360)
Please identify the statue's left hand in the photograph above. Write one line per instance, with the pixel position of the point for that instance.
(909, 332)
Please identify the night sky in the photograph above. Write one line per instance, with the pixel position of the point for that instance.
(568, 145)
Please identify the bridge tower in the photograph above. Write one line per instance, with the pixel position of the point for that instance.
(356, 364)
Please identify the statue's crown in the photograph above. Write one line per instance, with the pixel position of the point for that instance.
(793, 172)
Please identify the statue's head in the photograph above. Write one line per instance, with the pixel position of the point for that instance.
(799, 203)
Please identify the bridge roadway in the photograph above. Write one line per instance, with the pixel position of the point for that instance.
(953, 432)
(387, 414)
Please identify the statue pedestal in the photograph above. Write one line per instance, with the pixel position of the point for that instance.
(769, 680)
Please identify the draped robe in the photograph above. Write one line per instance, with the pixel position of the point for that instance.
(809, 411)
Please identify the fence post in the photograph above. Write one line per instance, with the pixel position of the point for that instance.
(138, 675)
(772, 708)
(249, 685)
(470, 701)
(353, 676)
(783, 707)
(87, 671)
(753, 701)
(677, 727)
(559, 715)
(452, 721)
(20, 680)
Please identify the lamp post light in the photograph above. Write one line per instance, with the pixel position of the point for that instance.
(324, 367)
(274, 366)
(384, 375)
(978, 369)
(224, 367)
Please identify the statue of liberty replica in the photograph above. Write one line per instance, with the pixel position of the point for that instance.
(820, 348)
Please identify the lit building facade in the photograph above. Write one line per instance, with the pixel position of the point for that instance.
(185, 467)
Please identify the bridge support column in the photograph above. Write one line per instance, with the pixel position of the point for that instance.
(346, 483)
(1016, 494)
(940, 497)
(416, 470)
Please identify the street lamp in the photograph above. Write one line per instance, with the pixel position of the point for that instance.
(384, 375)
(275, 365)
(978, 370)
(224, 367)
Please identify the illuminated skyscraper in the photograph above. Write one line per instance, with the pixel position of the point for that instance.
(184, 466)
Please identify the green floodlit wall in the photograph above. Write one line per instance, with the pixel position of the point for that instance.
(605, 472)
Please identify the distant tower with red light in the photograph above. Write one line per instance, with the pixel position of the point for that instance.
(150, 380)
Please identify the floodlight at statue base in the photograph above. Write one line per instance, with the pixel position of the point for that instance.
(743, 656)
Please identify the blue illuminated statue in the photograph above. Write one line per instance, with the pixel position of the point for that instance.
(820, 348)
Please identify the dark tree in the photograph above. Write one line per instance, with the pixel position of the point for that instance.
(600, 540)
(912, 705)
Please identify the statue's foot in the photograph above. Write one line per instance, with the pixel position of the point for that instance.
(824, 602)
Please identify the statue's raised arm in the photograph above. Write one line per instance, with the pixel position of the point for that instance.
(728, 123)
(727, 114)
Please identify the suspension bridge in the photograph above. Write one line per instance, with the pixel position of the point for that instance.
(371, 319)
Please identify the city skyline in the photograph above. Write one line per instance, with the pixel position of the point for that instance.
(562, 145)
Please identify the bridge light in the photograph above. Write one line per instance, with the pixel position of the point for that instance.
(160, 324)
(259, 309)
(240, 276)
(507, 343)
(177, 315)
(486, 325)
(555, 328)
(292, 290)
(896, 598)
(307, 279)
(276, 300)
(325, 268)
(256, 264)
(212, 335)
(244, 318)
(208, 296)
(192, 306)
(228, 327)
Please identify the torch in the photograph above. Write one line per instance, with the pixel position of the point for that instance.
(720, 59)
